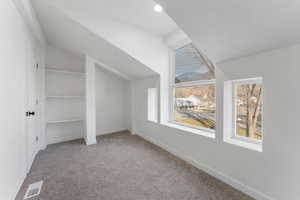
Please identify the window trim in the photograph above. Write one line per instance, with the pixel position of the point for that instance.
(190, 130)
(172, 85)
(194, 83)
(229, 115)
(235, 84)
(152, 104)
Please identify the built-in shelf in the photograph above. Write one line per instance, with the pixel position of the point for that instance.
(64, 121)
(65, 97)
(52, 70)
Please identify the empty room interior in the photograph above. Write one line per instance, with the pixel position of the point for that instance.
(150, 100)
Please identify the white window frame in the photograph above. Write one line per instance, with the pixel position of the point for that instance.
(172, 85)
(235, 84)
(152, 104)
(230, 115)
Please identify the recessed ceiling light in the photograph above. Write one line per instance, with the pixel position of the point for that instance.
(158, 8)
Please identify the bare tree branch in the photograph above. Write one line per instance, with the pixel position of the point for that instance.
(208, 63)
(257, 109)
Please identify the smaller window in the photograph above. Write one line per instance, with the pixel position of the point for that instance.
(248, 109)
(243, 113)
(152, 104)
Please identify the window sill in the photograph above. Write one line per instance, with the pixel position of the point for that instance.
(152, 121)
(190, 130)
(244, 144)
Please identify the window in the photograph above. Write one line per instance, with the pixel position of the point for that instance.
(248, 109)
(152, 104)
(243, 113)
(192, 90)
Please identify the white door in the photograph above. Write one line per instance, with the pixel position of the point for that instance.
(31, 122)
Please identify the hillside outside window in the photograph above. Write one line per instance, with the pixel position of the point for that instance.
(193, 90)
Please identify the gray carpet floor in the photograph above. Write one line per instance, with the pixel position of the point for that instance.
(121, 167)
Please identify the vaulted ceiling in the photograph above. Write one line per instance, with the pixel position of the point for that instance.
(125, 36)
(234, 28)
(129, 36)
(134, 12)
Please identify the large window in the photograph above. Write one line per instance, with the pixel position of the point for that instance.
(248, 108)
(193, 90)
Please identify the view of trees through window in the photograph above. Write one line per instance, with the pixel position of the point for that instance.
(249, 110)
(194, 105)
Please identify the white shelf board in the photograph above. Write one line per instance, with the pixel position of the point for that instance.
(64, 121)
(52, 70)
(65, 97)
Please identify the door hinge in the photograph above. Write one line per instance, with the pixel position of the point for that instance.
(37, 66)
(36, 101)
(37, 139)
(28, 113)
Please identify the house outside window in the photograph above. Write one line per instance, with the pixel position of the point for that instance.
(192, 90)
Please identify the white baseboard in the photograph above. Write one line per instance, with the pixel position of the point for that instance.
(111, 132)
(132, 133)
(230, 181)
(88, 143)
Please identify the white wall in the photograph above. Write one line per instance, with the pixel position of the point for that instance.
(16, 51)
(177, 39)
(112, 102)
(26, 10)
(60, 59)
(141, 45)
(272, 174)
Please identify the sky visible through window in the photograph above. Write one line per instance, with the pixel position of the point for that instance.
(190, 65)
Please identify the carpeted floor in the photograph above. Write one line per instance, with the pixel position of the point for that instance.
(121, 167)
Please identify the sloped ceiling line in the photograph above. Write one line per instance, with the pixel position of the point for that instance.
(111, 69)
(66, 33)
